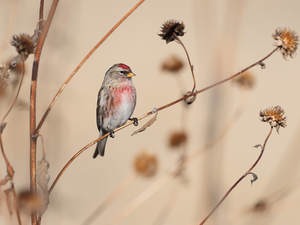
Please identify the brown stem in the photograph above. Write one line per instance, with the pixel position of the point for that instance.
(73, 158)
(79, 66)
(191, 66)
(9, 167)
(239, 180)
(150, 113)
(41, 16)
(33, 91)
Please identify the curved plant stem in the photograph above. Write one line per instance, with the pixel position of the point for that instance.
(239, 180)
(154, 111)
(33, 91)
(9, 167)
(188, 57)
(80, 65)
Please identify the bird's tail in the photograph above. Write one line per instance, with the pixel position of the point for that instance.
(100, 148)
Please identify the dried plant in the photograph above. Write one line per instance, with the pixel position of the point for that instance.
(145, 164)
(287, 41)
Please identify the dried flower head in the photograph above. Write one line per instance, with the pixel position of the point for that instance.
(4, 76)
(287, 41)
(177, 138)
(245, 80)
(28, 201)
(145, 164)
(274, 116)
(190, 99)
(172, 64)
(23, 44)
(171, 29)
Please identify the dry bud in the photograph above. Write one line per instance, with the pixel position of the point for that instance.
(4, 76)
(23, 44)
(172, 64)
(274, 116)
(245, 80)
(287, 41)
(171, 29)
(177, 138)
(145, 164)
(190, 99)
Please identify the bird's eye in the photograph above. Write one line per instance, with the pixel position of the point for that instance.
(122, 72)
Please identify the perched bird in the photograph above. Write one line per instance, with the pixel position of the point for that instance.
(116, 102)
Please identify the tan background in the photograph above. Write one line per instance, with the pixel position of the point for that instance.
(222, 38)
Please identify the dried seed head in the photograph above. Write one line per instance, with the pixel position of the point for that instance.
(245, 80)
(287, 41)
(4, 76)
(23, 44)
(172, 64)
(145, 164)
(274, 116)
(171, 29)
(191, 99)
(177, 138)
(28, 201)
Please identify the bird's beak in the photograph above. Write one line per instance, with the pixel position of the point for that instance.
(131, 74)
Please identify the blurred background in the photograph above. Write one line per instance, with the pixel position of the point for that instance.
(219, 128)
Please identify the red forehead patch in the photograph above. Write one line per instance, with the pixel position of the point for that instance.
(125, 67)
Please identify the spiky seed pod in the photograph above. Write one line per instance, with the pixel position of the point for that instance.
(145, 164)
(287, 41)
(171, 28)
(23, 44)
(274, 116)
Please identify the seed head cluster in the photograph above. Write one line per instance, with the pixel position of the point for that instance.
(145, 164)
(23, 44)
(245, 80)
(171, 29)
(274, 116)
(287, 41)
(177, 138)
(172, 64)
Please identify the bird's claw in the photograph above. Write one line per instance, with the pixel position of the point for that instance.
(135, 121)
(111, 133)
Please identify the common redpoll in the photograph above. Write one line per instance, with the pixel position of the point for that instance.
(116, 102)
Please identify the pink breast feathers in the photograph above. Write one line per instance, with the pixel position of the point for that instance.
(125, 94)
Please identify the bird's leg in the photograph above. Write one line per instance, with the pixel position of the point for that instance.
(111, 133)
(135, 121)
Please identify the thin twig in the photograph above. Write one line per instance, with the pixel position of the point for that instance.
(188, 57)
(9, 167)
(80, 65)
(239, 180)
(150, 113)
(33, 91)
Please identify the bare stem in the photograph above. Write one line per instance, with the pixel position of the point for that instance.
(188, 57)
(33, 91)
(80, 65)
(239, 180)
(9, 167)
(150, 113)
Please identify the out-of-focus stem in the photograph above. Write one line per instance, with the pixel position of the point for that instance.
(239, 180)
